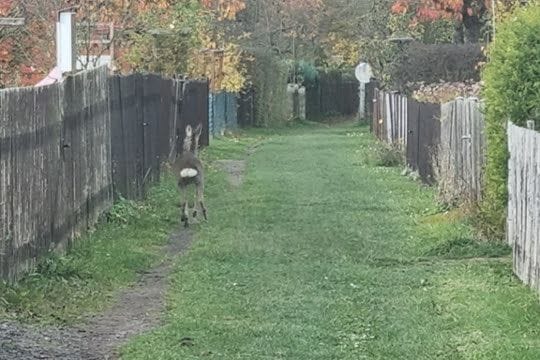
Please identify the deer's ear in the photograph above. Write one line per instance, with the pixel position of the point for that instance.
(198, 130)
(189, 130)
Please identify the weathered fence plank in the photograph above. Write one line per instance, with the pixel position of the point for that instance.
(118, 144)
(21, 175)
(523, 221)
(461, 153)
(6, 190)
(423, 138)
(151, 104)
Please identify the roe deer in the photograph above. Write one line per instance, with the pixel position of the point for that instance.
(189, 171)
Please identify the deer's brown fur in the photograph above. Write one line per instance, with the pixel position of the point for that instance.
(188, 169)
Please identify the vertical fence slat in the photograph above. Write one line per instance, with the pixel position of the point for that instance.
(523, 220)
(461, 152)
(6, 191)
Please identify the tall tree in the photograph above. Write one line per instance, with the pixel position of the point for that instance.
(285, 27)
(470, 15)
(27, 53)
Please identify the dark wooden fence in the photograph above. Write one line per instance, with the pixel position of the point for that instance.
(332, 94)
(68, 148)
(412, 126)
(442, 142)
(423, 138)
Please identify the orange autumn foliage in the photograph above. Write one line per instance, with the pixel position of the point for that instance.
(430, 10)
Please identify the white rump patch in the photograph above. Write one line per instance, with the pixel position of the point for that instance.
(188, 173)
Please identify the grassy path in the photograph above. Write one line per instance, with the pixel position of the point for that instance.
(320, 255)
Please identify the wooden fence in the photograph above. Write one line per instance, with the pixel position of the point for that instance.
(332, 94)
(448, 141)
(423, 137)
(67, 148)
(412, 126)
(523, 222)
(444, 143)
(390, 117)
(461, 151)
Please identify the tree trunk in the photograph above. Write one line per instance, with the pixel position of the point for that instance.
(459, 36)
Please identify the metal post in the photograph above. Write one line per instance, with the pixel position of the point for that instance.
(362, 105)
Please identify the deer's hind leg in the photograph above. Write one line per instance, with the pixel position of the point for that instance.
(200, 198)
(184, 196)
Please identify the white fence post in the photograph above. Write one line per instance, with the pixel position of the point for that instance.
(66, 48)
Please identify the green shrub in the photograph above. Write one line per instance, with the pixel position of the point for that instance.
(511, 92)
(269, 76)
(432, 63)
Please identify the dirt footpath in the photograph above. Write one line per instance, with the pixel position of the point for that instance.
(138, 309)
(235, 170)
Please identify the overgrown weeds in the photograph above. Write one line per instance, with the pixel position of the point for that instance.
(124, 211)
(381, 154)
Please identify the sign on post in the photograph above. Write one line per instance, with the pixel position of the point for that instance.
(363, 74)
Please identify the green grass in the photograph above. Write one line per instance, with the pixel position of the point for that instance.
(129, 240)
(322, 255)
(64, 288)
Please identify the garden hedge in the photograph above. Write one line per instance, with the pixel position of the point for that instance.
(511, 92)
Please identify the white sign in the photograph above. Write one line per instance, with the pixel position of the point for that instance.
(363, 72)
